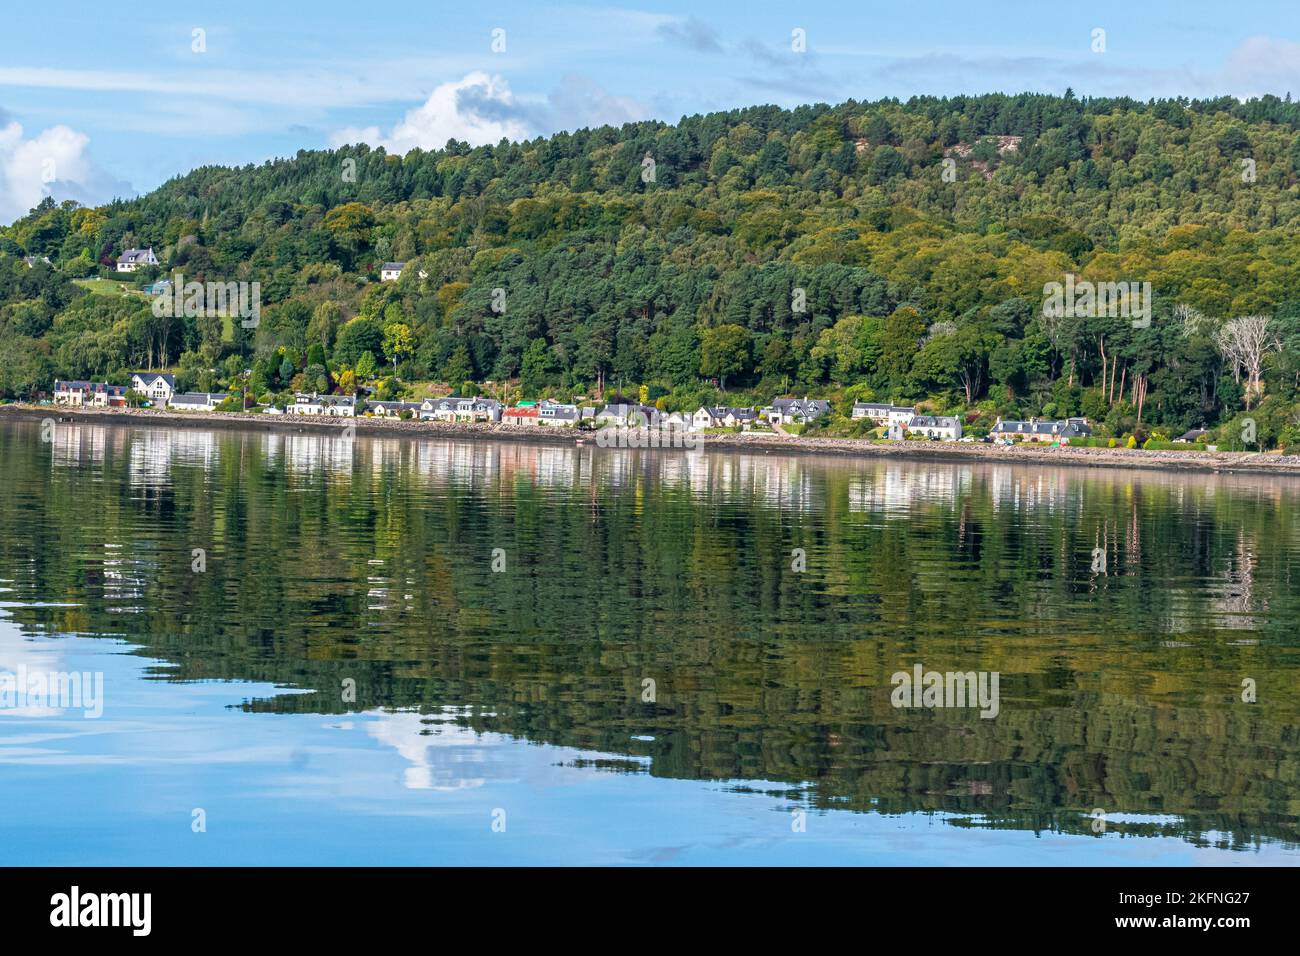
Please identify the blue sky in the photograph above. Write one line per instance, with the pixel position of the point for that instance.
(96, 102)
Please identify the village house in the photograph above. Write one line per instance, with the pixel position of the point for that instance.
(884, 414)
(132, 259)
(941, 427)
(457, 408)
(628, 415)
(393, 409)
(89, 394)
(520, 415)
(720, 416)
(557, 414)
(1195, 435)
(791, 411)
(391, 271)
(32, 260)
(330, 406)
(197, 401)
(154, 386)
(1045, 430)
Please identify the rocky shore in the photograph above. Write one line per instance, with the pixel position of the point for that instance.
(753, 443)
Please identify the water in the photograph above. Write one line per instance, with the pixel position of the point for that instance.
(230, 588)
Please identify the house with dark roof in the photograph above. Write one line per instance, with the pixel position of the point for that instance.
(557, 414)
(1042, 430)
(89, 394)
(391, 271)
(942, 427)
(393, 409)
(156, 387)
(720, 416)
(1195, 435)
(197, 401)
(789, 411)
(628, 415)
(883, 414)
(458, 408)
(133, 259)
(328, 406)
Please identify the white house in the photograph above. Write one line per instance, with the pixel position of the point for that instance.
(457, 408)
(391, 271)
(197, 401)
(557, 414)
(788, 411)
(89, 394)
(722, 417)
(393, 409)
(159, 389)
(330, 406)
(132, 259)
(941, 427)
(884, 414)
(1042, 430)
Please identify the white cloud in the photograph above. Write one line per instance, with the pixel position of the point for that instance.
(480, 108)
(55, 162)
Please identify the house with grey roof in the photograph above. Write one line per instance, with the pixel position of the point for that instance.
(391, 271)
(328, 406)
(459, 408)
(942, 427)
(394, 409)
(628, 415)
(720, 416)
(155, 386)
(1042, 430)
(557, 414)
(133, 259)
(883, 413)
(791, 411)
(197, 401)
(84, 394)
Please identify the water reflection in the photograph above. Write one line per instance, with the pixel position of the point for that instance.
(331, 559)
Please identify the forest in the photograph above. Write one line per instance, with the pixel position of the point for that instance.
(885, 250)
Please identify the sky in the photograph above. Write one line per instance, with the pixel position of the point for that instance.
(100, 101)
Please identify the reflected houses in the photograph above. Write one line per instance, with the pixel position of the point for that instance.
(155, 452)
(310, 453)
(77, 445)
(895, 489)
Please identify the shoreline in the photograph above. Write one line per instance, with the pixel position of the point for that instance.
(1184, 461)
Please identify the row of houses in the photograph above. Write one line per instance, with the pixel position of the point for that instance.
(157, 388)
(897, 419)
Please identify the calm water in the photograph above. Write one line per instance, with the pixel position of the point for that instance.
(230, 589)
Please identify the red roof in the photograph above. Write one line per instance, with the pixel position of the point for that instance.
(520, 412)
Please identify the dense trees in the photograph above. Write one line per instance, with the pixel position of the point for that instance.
(899, 248)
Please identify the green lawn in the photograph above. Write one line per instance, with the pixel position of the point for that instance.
(106, 287)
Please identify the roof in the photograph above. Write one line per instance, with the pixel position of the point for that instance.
(884, 406)
(521, 412)
(1067, 428)
(393, 266)
(199, 398)
(933, 421)
(302, 398)
(131, 255)
(150, 377)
